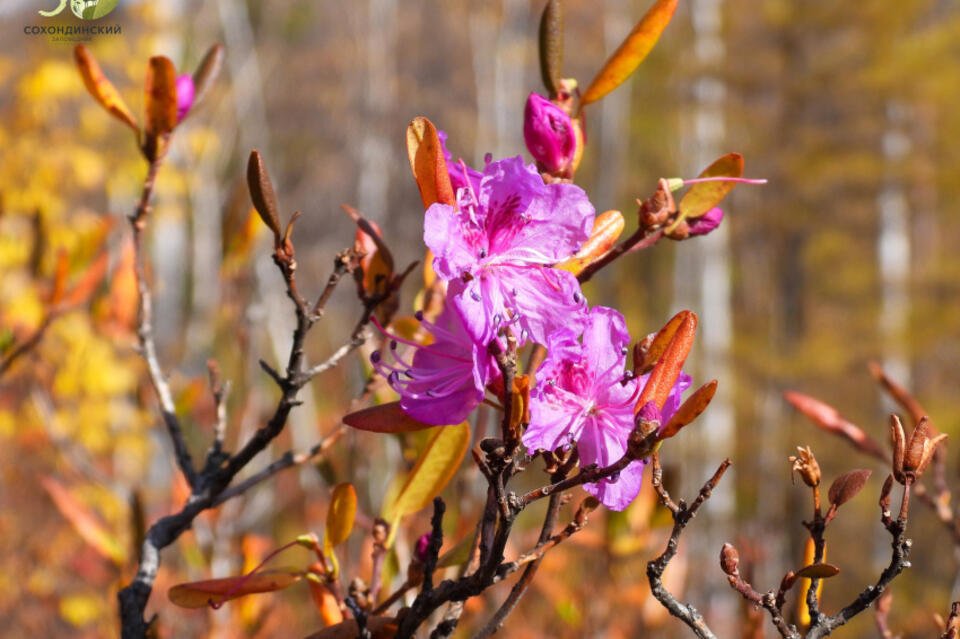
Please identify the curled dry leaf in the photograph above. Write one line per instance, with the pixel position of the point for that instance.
(846, 486)
(262, 194)
(551, 45)
(632, 51)
(101, 88)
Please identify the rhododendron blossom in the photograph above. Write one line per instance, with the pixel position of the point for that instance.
(583, 397)
(446, 379)
(497, 246)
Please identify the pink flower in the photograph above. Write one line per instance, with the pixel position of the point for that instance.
(185, 93)
(549, 134)
(583, 397)
(446, 379)
(461, 175)
(497, 246)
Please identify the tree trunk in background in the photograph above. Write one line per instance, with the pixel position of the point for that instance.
(703, 283)
(893, 248)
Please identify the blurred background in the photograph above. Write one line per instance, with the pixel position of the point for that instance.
(847, 256)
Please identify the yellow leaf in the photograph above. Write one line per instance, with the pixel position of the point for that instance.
(433, 471)
(705, 195)
(607, 228)
(631, 52)
(340, 516)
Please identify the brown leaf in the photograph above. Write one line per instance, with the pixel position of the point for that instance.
(207, 71)
(690, 409)
(847, 485)
(551, 45)
(384, 418)
(428, 164)
(161, 105)
(262, 194)
(101, 88)
(213, 592)
(818, 571)
(631, 52)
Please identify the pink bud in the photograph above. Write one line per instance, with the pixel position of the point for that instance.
(423, 545)
(706, 222)
(548, 132)
(184, 95)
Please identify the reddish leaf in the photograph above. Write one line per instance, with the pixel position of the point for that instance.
(847, 485)
(647, 352)
(818, 571)
(607, 228)
(428, 164)
(690, 409)
(664, 374)
(87, 525)
(385, 418)
(829, 419)
(60, 272)
(101, 88)
(213, 592)
(88, 281)
(631, 52)
(899, 394)
(379, 627)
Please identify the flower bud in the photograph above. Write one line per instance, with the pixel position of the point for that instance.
(422, 548)
(730, 560)
(706, 222)
(185, 94)
(549, 134)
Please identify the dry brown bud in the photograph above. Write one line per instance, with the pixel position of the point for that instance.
(730, 560)
(381, 530)
(911, 458)
(805, 464)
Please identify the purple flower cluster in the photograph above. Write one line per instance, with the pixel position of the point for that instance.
(495, 250)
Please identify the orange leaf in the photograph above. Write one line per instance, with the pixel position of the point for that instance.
(703, 196)
(631, 52)
(428, 164)
(60, 272)
(88, 282)
(326, 603)
(161, 105)
(385, 418)
(124, 297)
(101, 88)
(87, 525)
(818, 571)
(607, 228)
(213, 592)
(664, 375)
(647, 352)
(379, 627)
(690, 409)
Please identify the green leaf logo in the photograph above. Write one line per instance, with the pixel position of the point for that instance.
(92, 9)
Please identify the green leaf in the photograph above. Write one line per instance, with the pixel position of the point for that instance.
(436, 467)
(102, 8)
(631, 52)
